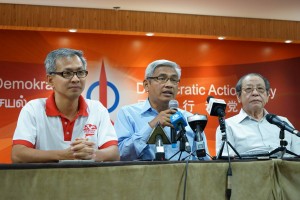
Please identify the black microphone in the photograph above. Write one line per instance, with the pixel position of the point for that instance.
(197, 123)
(160, 151)
(159, 138)
(215, 107)
(274, 119)
(173, 104)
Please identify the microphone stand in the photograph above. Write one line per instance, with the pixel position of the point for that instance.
(182, 147)
(283, 144)
(203, 154)
(224, 140)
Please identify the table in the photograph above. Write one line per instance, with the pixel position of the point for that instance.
(143, 180)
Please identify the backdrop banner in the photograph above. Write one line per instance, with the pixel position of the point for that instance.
(116, 65)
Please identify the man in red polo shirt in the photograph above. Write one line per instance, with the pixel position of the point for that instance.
(65, 126)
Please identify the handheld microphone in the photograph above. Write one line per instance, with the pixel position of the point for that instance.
(173, 104)
(274, 119)
(197, 123)
(215, 107)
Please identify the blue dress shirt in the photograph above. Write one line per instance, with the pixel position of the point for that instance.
(133, 131)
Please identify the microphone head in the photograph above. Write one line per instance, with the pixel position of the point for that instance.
(173, 104)
(269, 118)
(208, 98)
(274, 119)
(283, 125)
(178, 120)
(216, 107)
(197, 120)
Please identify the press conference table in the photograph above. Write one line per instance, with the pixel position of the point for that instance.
(142, 180)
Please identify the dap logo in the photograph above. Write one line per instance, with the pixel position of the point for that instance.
(102, 85)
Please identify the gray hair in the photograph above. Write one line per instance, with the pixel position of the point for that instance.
(50, 62)
(158, 63)
(238, 87)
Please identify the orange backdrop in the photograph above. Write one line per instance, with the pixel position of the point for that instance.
(209, 67)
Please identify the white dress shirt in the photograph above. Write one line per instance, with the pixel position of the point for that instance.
(248, 135)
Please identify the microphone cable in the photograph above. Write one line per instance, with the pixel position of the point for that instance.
(229, 176)
(186, 174)
(229, 171)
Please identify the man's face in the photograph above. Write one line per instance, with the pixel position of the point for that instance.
(67, 88)
(161, 92)
(253, 95)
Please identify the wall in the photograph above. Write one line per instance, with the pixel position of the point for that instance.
(31, 17)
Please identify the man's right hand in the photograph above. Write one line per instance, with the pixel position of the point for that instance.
(163, 118)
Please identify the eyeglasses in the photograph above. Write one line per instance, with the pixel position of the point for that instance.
(164, 79)
(70, 74)
(250, 89)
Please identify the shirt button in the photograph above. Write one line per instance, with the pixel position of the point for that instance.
(67, 133)
(66, 123)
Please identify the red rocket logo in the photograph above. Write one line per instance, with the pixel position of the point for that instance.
(89, 130)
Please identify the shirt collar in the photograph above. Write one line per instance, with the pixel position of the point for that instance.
(51, 109)
(147, 107)
(243, 115)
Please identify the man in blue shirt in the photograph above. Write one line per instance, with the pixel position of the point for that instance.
(135, 122)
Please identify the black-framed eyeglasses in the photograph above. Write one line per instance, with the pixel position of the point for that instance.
(250, 89)
(70, 74)
(164, 79)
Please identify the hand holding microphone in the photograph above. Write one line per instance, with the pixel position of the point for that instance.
(163, 118)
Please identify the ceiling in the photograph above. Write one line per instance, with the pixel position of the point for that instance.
(263, 9)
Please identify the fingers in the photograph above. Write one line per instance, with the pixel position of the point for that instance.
(83, 149)
(85, 154)
(78, 141)
(82, 141)
(164, 117)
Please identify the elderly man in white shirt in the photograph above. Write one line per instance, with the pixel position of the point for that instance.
(249, 132)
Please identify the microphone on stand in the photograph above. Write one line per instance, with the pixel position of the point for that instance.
(187, 144)
(197, 123)
(274, 119)
(178, 121)
(173, 104)
(179, 124)
(159, 138)
(216, 107)
(159, 147)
